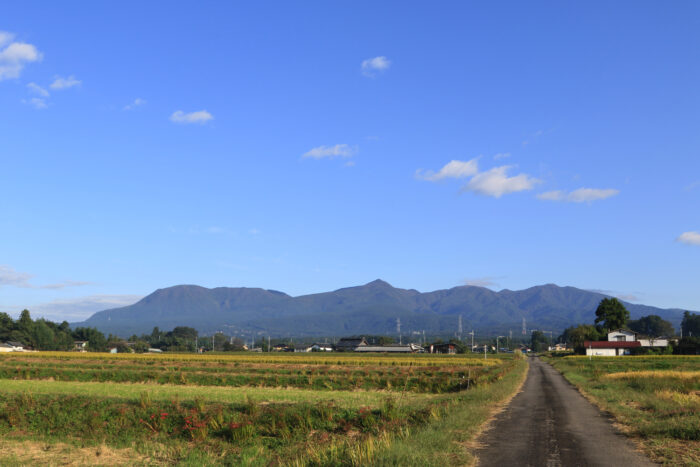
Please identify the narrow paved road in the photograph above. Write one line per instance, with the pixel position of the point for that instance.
(550, 424)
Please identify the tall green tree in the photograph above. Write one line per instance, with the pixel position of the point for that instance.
(575, 336)
(652, 326)
(691, 324)
(611, 314)
(539, 342)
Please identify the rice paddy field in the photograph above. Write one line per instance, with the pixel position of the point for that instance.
(247, 409)
(654, 399)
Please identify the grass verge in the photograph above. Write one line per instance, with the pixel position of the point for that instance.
(449, 440)
(655, 400)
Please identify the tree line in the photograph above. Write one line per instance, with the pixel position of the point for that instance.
(42, 334)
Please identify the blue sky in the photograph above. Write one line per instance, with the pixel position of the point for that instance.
(310, 146)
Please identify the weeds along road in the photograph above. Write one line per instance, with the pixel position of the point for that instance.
(550, 424)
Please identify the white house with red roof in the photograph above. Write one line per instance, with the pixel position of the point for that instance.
(620, 342)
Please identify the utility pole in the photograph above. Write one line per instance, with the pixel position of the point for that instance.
(212, 342)
(269, 349)
(398, 328)
(459, 327)
(472, 347)
(497, 342)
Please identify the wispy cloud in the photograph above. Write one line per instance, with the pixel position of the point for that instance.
(487, 282)
(201, 117)
(81, 308)
(60, 83)
(496, 182)
(533, 137)
(138, 102)
(453, 169)
(38, 90)
(621, 295)
(36, 102)
(692, 186)
(372, 66)
(689, 238)
(339, 150)
(10, 277)
(501, 155)
(582, 195)
(15, 55)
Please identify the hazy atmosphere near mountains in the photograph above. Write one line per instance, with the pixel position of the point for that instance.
(305, 147)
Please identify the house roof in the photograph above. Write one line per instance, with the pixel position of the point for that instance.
(623, 331)
(611, 344)
(351, 342)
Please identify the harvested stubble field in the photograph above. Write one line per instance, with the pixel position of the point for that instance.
(332, 409)
(655, 399)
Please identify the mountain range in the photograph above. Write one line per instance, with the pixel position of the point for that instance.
(372, 308)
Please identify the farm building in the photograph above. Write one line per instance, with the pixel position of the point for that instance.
(349, 344)
(80, 346)
(325, 347)
(11, 347)
(302, 348)
(408, 348)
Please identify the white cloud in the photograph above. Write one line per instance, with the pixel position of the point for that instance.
(81, 308)
(339, 150)
(64, 83)
(38, 90)
(501, 155)
(582, 195)
(496, 182)
(453, 169)
(10, 277)
(138, 102)
(15, 55)
(200, 116)
(689, 238)
(372, 66)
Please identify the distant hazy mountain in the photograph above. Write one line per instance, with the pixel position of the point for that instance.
(371, 308)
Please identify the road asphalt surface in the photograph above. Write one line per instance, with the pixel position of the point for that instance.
(550, 424)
